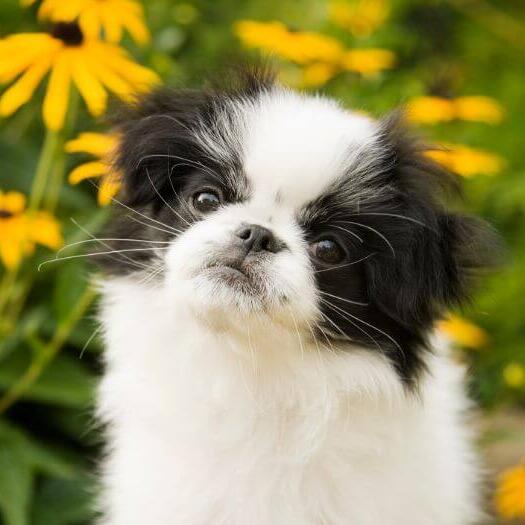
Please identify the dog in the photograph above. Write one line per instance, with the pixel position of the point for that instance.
(272, 275)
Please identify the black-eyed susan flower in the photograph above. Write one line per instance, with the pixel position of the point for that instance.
(360, 17)
(430, 110)
(510, 493)
(71, 57)
(301, 47)
(101, 146)
(21, 230)
(321, 56)
(463, 332)
(113, 17)
(467, 161)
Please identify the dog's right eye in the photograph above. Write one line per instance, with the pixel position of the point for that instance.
(206, 201)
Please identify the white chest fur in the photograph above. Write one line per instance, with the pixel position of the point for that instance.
(213, 427)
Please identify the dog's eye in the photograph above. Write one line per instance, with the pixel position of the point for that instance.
(206, 201)
(327, 251)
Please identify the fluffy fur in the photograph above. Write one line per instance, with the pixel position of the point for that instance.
(268, 385)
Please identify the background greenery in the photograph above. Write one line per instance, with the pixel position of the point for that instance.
(48, 442)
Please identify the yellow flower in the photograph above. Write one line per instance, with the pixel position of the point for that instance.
(20, 230)
(467, 161)
(360, 17)
(463, 332)
(510, 493)
(514, 375)
(301, 47)
(429, 110)
(368, 61)
(101, 146)
(93, 66)
(113, 16)
(322, 56)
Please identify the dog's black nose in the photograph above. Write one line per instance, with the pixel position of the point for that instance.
(257, 238)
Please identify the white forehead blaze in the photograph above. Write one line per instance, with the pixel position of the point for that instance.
(295, 146)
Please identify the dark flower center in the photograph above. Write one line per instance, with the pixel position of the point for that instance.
(4, 214)
(69, 32)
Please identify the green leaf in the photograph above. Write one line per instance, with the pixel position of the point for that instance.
(60, 502)
(65, 382)
(21, 457)
(70, 283)
(34, 454)
(16, 485)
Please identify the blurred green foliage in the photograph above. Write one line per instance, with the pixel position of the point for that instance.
(48, 444)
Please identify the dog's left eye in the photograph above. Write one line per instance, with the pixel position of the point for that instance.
(327, 251)
(206, 201)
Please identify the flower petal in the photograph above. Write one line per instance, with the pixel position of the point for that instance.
(479, 109)
(100, 67)
(90, 24)
(464, 332)
(13, 202)
(109, 187)
(89, 87)
(429, 110)
(111, 23)
(89, 170)
(368, 61)
(137, 28)
(45, 230)
(97, 144)
(140, 77)
(57, 96)
(22, 90)
(13, 241)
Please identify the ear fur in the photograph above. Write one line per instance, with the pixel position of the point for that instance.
(437, 260)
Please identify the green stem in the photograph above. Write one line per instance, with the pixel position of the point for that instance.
(6, 288)
(45, 164)
(59, 168)
(48, 352)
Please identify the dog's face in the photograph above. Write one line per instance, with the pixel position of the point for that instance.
(260, 202)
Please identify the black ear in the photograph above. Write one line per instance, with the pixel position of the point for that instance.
(157, 143)
(438, 253)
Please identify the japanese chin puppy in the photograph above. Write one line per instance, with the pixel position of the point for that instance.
(273, 272)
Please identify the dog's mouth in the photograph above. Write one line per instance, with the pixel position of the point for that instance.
(242, 276)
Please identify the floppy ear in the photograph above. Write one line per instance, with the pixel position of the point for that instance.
(156, 143)
(438, 252)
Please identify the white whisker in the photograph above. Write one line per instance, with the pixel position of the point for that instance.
(358, 319)
(93, 238)
(151, 226)
(345, 265)
(397, 216)
(371, 229)
(104, 240)
(177, 214)
(98, 253)
(343, 299)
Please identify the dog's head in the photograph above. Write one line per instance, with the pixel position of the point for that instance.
(258, 201)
